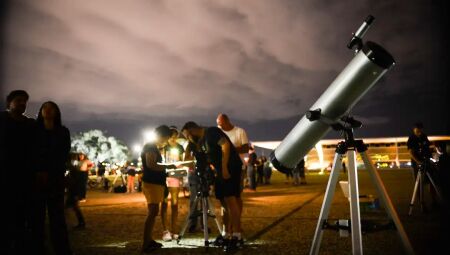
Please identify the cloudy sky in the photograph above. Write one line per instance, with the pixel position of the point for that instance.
(122, 66)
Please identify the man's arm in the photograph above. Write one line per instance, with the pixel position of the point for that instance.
(188, 155)
(243, 148)
(225, 146)
(151, 162)
(245, 143)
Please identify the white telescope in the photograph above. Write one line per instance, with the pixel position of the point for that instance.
(370, 63)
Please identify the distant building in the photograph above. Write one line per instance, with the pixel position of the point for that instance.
(385, 152)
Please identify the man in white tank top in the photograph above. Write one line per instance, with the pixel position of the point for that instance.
(237, 135)
(239, 138)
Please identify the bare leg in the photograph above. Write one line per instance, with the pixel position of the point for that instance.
(225, 217)
(149, 224)
(234, 213)
(241, 204)
(164, 215)
(174, 192)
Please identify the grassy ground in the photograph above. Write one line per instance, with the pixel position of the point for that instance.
(277, 219)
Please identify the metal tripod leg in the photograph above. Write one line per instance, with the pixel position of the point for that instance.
(208, 211)
(115, 180)
(112, 184)
(326, 205)
(205, 209)
(387, 203)
(355, 215)
(419, 185)
(436, 188)
(421, 193)
(414, 196)
(190, 215)
(212, 214)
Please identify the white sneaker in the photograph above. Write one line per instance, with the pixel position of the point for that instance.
(167, 236)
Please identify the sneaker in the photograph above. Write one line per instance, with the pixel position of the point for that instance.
(240, 243)
(152, 246)
(167, 236)
(80, 226)
(220, 241)
(231, 245)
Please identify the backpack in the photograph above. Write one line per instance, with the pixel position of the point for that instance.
(120, 189)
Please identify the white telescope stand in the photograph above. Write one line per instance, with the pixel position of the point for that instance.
(350, 147)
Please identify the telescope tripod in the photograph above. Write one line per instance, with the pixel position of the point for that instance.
(349, 147)
(422, 173)
(203, 200)
(118, 175)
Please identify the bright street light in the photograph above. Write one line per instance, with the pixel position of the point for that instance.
(149, 136)
(137, 148)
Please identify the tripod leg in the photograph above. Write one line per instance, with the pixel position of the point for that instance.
(436, 188)
(387, 203)
(112, 185)
(355, 215)
(331, 187)
(422, 201)
(414, 196)
(205, 220)
(188, 219)
(212, 214)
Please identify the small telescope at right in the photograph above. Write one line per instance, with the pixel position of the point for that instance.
(369, 64)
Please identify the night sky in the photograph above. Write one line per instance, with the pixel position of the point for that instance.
(125, 66)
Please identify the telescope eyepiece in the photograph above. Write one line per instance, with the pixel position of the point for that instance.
(359, 34)
(369, 19)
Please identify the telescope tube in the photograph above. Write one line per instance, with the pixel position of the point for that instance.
(363, 71)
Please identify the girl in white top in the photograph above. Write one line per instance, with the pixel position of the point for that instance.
(173, 152)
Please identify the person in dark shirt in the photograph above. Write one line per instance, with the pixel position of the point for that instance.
(53, 147)
(420, 152)
(251, 168)
(76, 188)
(444, 172)
(101, 170)
(259, 171)
(131, 174)
(154, 183)
(17, 144)
(299, 173)
(418, 147)
(225, 160)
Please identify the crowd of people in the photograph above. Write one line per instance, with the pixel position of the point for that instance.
(39, 149)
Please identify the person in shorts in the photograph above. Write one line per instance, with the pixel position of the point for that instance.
(225, 161)
(173, 152)
(154, 183)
